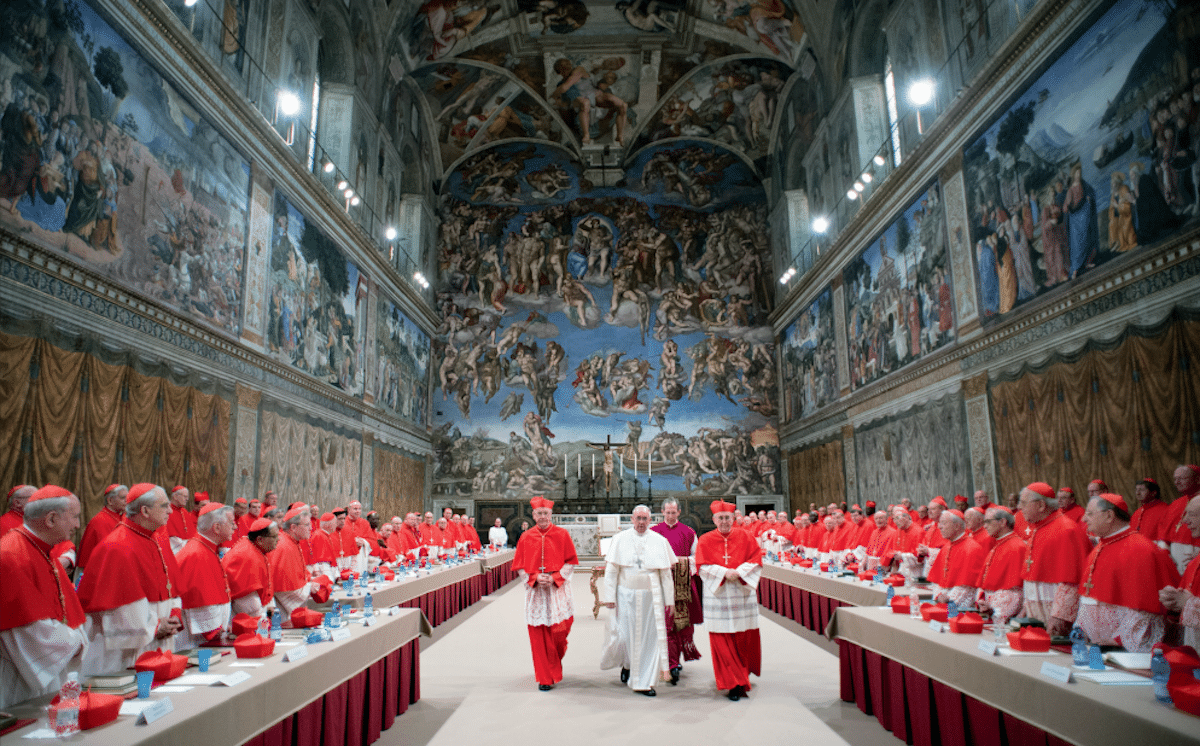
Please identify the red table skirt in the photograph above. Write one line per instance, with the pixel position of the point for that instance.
(811, 610)
(356, 711)
(498, 577)
(444, 603)
(924, 712)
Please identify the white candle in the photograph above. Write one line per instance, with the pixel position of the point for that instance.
(578, 465)
(635, 460)
(593, 466)
(621, 459)
(649, 467)
(564, 467)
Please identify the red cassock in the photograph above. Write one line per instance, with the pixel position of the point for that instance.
(786, 532)
(1002, 566)
(933, 537)
(248, 571)
(983, 538)
(98, 529)
(345, 541)
(202, 580)
(907, 542)
(1074, 513)
(546, 552)
(288, 569)
(129, 565)
(359, 527)
(882, 542)
(322, 548)
(1175, 530)
(864, 534)
(958, 563)
(1150, 520)
(10, 520)
(427, 531)
(1116, 560)
(827, 539)
(406, 539)
(181, 524)
(34, 587)
(471, 536)
(736, 653)
(842, 537)
(1055, 550)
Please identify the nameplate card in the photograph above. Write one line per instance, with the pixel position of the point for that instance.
(988, 647)
(936, 626)
(1058, 673)
(295, 654)
(233, 679)
(367, 621)
(393, 611)
(155, 711)
(340, 634)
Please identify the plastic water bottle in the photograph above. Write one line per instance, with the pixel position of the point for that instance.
(914, 604)
(335, 615)
(1160, 672)
(262, 629)
(66, 713)
(368, 606)
(277, 625)
(1079, 651)
(891, 593)
(951, 610)
(999, 635)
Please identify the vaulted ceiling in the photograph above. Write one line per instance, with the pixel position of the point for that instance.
(602, 81)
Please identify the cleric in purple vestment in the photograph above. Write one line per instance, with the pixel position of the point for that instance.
(687, 611)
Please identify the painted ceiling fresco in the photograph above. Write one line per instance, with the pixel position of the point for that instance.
(619, 75)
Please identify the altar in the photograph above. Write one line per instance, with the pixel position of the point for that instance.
(587, 531)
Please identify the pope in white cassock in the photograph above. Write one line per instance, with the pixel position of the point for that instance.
(638, 587)
(498, 535)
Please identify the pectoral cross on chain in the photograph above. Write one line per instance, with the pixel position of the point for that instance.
(1087, 587)
(726, 555)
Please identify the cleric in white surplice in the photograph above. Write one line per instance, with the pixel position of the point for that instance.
(638, 587)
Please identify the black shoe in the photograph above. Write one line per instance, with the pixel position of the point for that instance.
(545, 687)
(648, 692)
(736, 693)
(675, 674)
(624, 675)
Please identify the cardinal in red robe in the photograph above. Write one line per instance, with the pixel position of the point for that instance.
(956, 568)
(131, 589)
(289, 571)
(15, 514)
(42, 635)
(729, 563)
(1054, 554)
(102, 524)
(1113, 610)
(1000, 586)
(181, 526)
(249, 570)
(204, 585)
(544, 560)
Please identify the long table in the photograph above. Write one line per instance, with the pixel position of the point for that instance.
(343, 692)
(811, 598)
(933, 688)
(440, 593)
(498, 570)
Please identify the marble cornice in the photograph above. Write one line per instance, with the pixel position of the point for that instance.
(1029, 47)
(188, 344)
(1152, 284)
(161, 36)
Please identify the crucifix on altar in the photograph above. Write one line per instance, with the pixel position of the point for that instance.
(607, 448)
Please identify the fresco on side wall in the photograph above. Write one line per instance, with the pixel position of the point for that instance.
(402, 381)
(318, 302)
(589, 314)
(104, 161)
(809, 357)
(899, 302)
(1096, 159)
